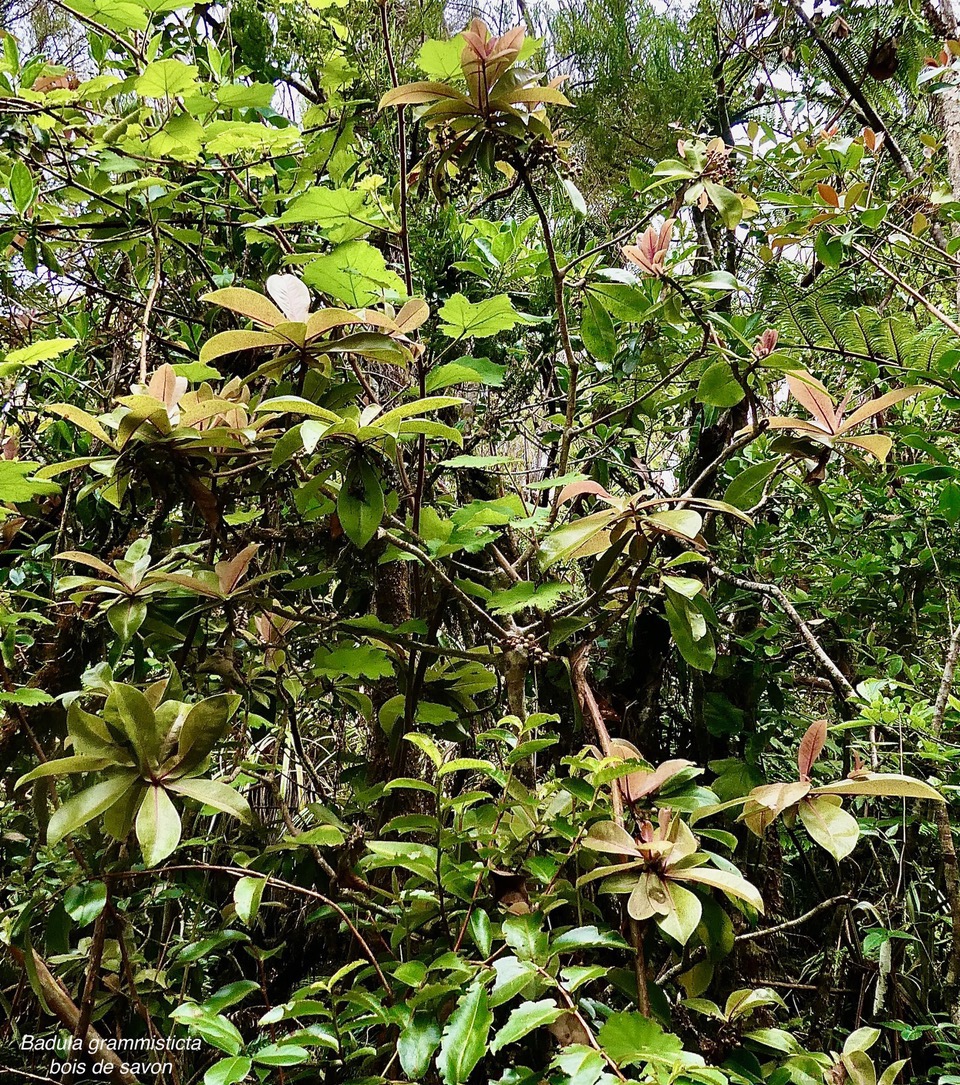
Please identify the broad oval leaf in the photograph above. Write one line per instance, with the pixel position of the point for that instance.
(158, 825)
(829, 825)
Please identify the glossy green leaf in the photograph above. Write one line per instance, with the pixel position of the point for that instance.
(464, 1040)
(158, 826)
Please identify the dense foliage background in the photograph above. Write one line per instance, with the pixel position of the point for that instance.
(479, 565)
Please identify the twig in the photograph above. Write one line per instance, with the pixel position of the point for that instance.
(753, 936)
(837, 677)
(148, 309)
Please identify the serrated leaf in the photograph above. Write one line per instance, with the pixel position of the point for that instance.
(417, 1043)
(166, 79)
(523, 1020)
(477, 319)
(464, 1041)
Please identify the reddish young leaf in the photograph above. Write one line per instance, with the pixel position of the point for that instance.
(576, 489)
(810, 746)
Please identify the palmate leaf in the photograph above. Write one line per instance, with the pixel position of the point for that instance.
(477, 319)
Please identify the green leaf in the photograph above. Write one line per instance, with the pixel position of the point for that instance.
(246, 96)
(440, 60)
(889, 784)
(41, 351)
(731, 884)
(204, 724)
(525, 935)
(16, 483)
(830, 825)
(126, 617)
(719, 387)
(87, 805)
(466, 371)
(281, 1055)
(249, 303)
(859, 1067)
(949, 503)
(861, 1039)
(27, 696)
(228, 1071)
(527, 595)
(631, 1038)
(213, 1027)
(83, 903)
(119, 15)
(417, 1043)
(158, 825)
(360, 504)
(65, 766)
(727, 203)
(747, 488)
(298, 405)
(578, 539)
(355, 273)
(597, 331)
(247, 894)
(215, 794)
(829, 249)
(465, 1035)
(355, 661)
(590, 937)
(166, 79)
(323, 836)
(196, 372)
(524, 1019)
(22, 189)
(230, 994)
(138, 720)
(689, 630)
(478, 320)
(341, 214)
(682, 920)
(581, 1065)
(512, 975)
(721, 281)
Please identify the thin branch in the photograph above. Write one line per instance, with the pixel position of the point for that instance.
(837, 677)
